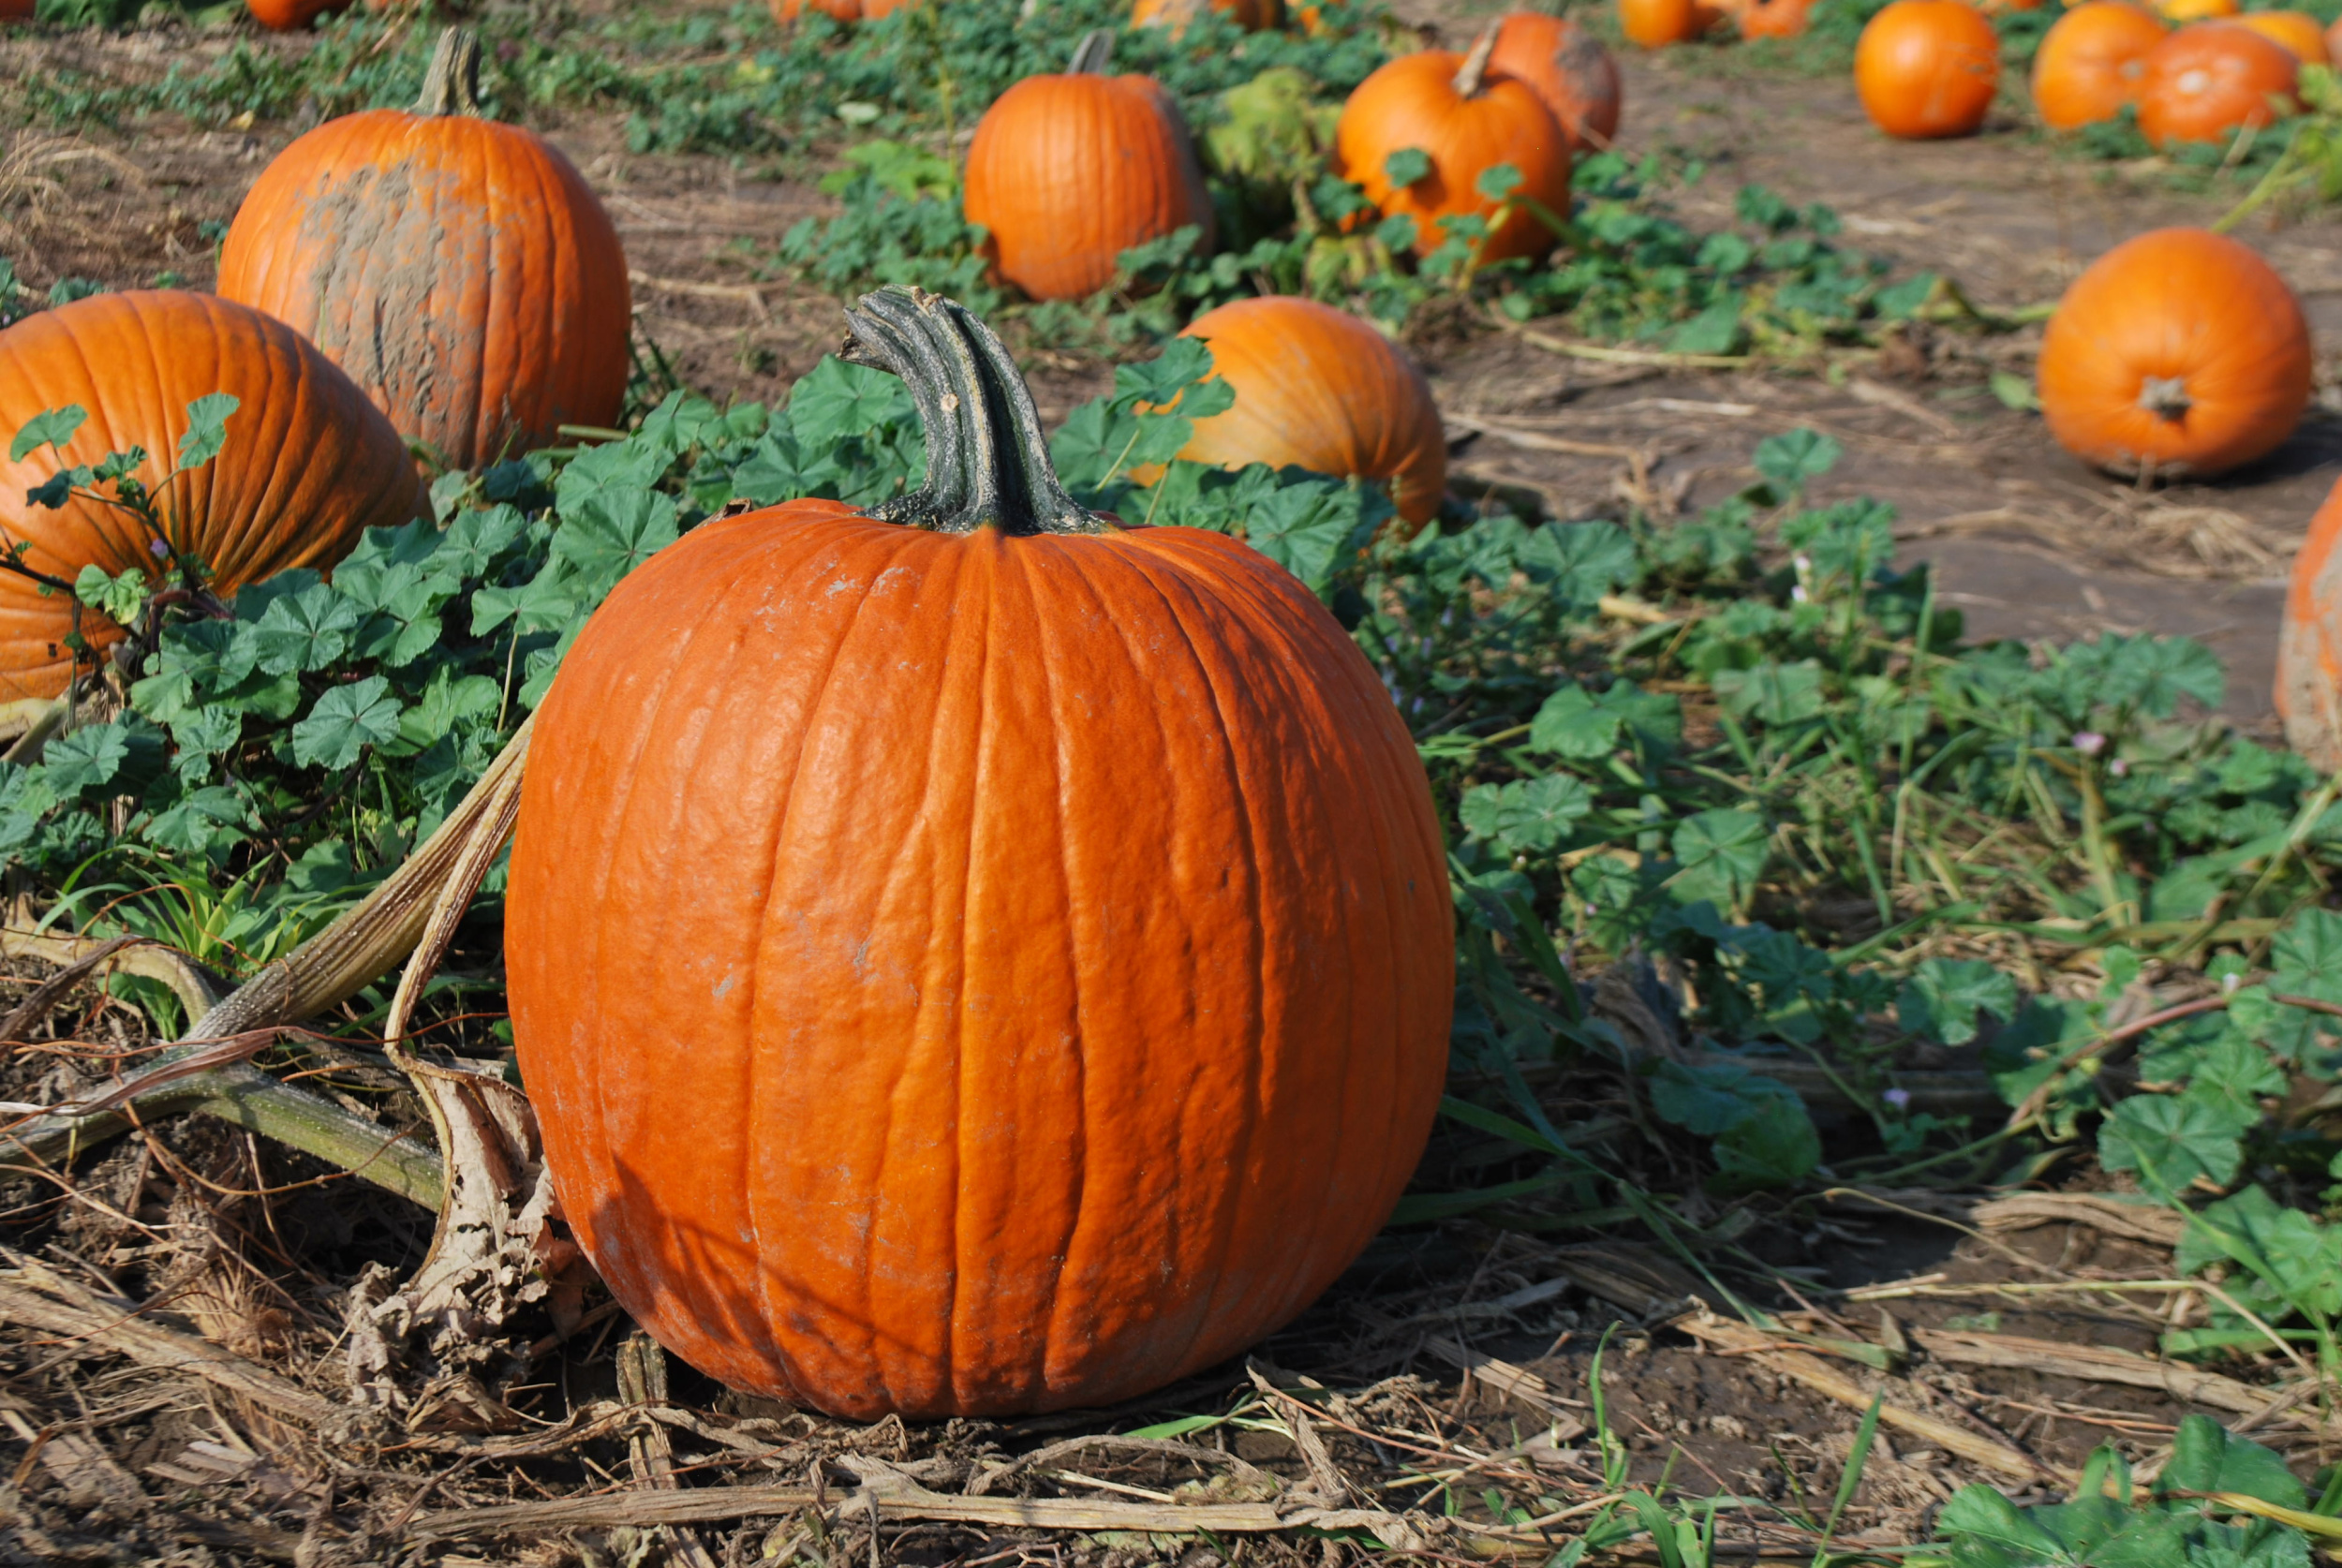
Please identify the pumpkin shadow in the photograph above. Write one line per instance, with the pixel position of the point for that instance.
(2315, 445)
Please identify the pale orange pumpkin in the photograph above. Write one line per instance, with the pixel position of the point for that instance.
(2090, 63)
(2309, 643)
(2297, 32)
(2207, 82)
(1773, 18)
(1569, 69)
(787, 11)
(2195, 10)
(1658, 24)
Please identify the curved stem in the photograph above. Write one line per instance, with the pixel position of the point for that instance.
(451, 85)
(1467, 82)
(1091, 55)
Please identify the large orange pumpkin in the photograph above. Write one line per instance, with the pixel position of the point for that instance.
(1658, 24)
(2195, 10)
(2296, 32)
(1318, 388)
(2090, 62)
(1772, 18)
(308, 463)
(1927, 68)
(915, 1091)
(2309, 643)
(461, 271)
(1250, 14)
(1567, 68)
(787, 11)
(1466, 120)
(283, 16)
(2180, 353)
(1067, 172)
(2207, 82)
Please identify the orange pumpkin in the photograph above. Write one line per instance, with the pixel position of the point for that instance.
(16, 10)
(2309, 643)
(2195, 10)
(1772, 18)
(2178, 352)
(1466, 121)
(282, 16)
(1927, 68)
(308, 463)
(1656, 23)
(2002, 7)
(786, 11)
(1250, 14)
(2333, 43)
(1569, 69)
(461, 271)
(1066, 172)
(933, 1097)
(2090, 62)
(2206, 82)
(2296, 32)
(1319, 389)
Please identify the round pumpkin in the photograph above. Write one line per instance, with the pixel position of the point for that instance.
(2296, 32)
(2206, 82)
(1927, 68)
(1567, 68)
(2180, 353)
(1772, 18)
(1067, 172)
(1467, 120)
(282, 16)
(2309, 643)
(930, 1097)
(1658, 24)
(2195, 10)
(461, 271)
(787, 11)
(2090, 61)
(2333, 43)
(1317, 388)
(1250, 14)
(308, 463)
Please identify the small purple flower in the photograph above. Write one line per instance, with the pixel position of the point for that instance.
(157, 548)
(2118, 768)
(1899, 1097)
(2089, 743)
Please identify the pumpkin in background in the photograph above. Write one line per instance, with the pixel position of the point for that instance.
(2180, 351)
(1772, 18)
(2333, 43)
(1317, 388)
(282, 16)
(2296, 32)
(2309, 643)
(2195, 10)
(2090, 62)
(1927, 68)
(461, 271)
(1656, 23)
(2205, 82)
(1067, 172)
(1567, 68)
(787, 11)
(933, 1097)
(16, 10)
(308, 463)
(1250, 14)
(2001, 7)
(1466, 120)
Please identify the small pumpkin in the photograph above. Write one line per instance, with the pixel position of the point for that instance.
(280, 16)
(1465, 119)
(1317, 388)
(934, 1097)
(1567, 68)
(1927, 68)
(308, 465)
(1773, 18)
(1066, 172)
(2195, 10)
(2090, 62)
(2333, 43)
(2309, 643)
(461, 271)
(787, 11)
(1658, 24)
(2297, 32)
(2180, 351)
(2209, 81)
(1251, 15)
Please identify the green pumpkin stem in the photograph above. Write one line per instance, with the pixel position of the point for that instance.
(988, 462)
(451, 85)
(1091, 55)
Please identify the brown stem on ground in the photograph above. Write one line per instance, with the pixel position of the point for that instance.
(1475, 64)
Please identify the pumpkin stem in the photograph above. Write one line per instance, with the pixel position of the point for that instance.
(987, 464)
(451, 86)
(2166, 397)
(1091, 55)
(1477, 63)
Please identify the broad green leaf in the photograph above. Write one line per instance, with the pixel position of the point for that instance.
(1771, 693)
(1720, 853)
(51, 427)
(121, 598)
(85, 762)
(1498, 181)
(2172, 1140)
(207, 428)
(304, 631)
(344, 722)
(2205, 1457)
(1799, 455)
(1942, 997)
(1528, 815)
(1406, 166)
(837, 400)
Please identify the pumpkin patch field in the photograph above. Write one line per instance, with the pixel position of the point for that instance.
(966, 782)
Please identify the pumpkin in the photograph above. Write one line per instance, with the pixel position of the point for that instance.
(787, 11)
(2296, 32)
(2333, 43)
(1067, 172)
(1567, 68)
(2002, 7)
(282, 16)
(1772, 18)
(2205, 82)
(1927, 68)
(1656, 23)
(932, 1098)
(1250, 14)
(2195, 10)
(2090, 61)
(1319, 389)
(461, 271)
(2180, 351)
(308, 467)
(1466, 120)
(2309, 643)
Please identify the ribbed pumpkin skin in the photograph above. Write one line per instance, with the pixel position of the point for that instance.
(2090, 63)
(461, 271)
(2295, 31)
(2206, 81)
(972, 974)
(1927, 68)
(282, 16)
(1319, 387)
(2176, 304)
(1658, 24)
(786, 11)
(308, 465)
(1412, 102)
(2196, 10)
(1066, 172)
(1773, 18)
(2309, 643)
(1567, 68)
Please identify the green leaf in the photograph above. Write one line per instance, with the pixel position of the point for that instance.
(1979, 1517)
(1571, 723)
(2171, 1141)
(1579, 561)
(2205, 1457)
(1714, 1097)
(1529, 815)
(121, 598)
(1720, 853)
(344, 722)
(2284, 1248)
(1497, 182)
(610, 533)
(85, 762)
(1771, 693)
(51, 427)
(304, 631)
(836, 399)
(1406, 166)
(1942, 997)
(2014, 391)
(1799, 455)
(207, 428)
